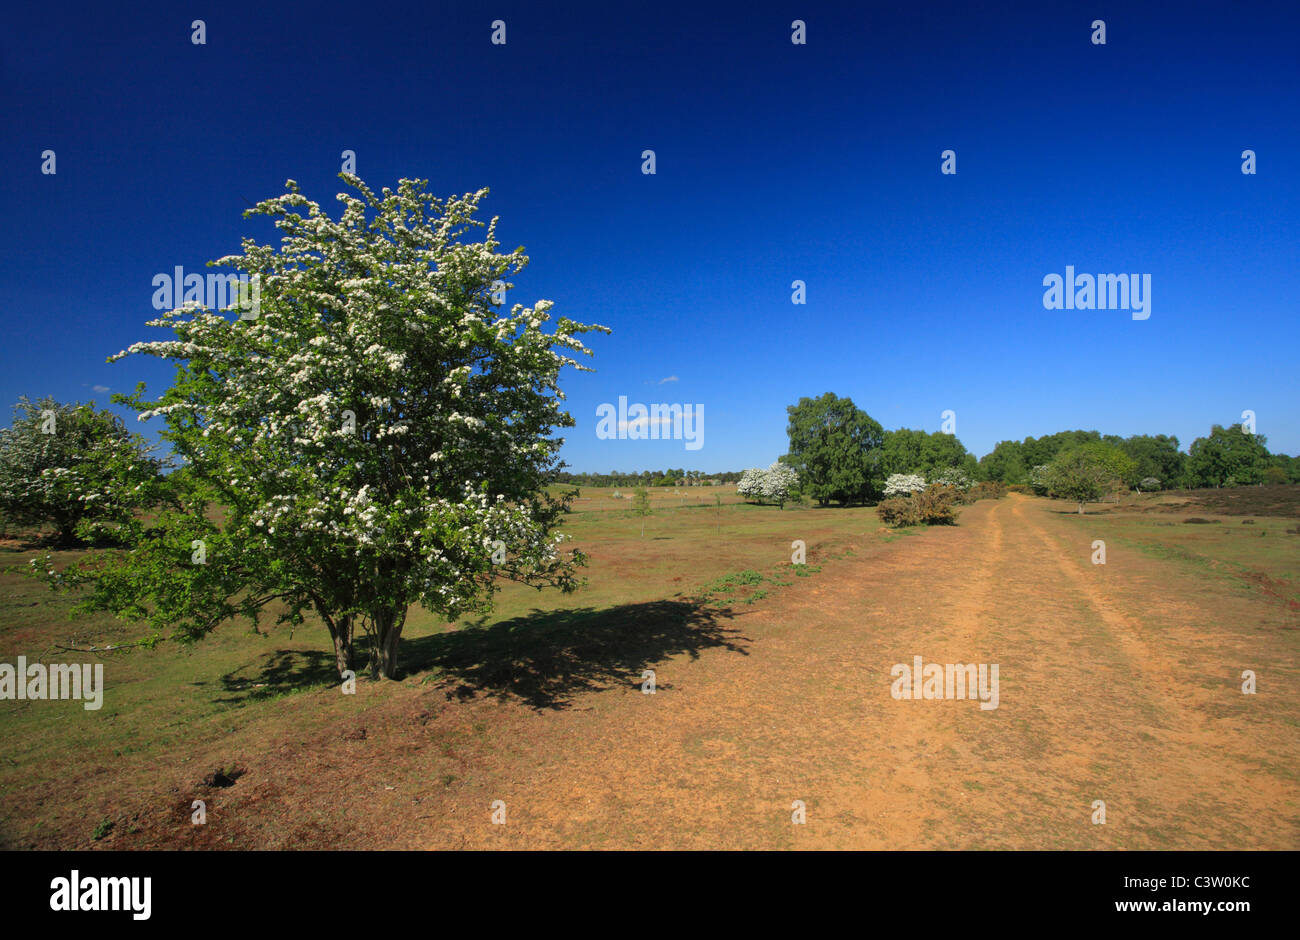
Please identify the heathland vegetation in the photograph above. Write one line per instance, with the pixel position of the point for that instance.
(298, 493)
(378, 435)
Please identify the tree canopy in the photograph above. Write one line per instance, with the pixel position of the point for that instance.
(1229, 456)
(1155, 456)
(380, 434)
(777, 484)
(835, 449)
(923, 452)
(1082, 474)
(74, 467)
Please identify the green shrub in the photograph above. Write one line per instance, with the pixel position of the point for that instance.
(1274, 475)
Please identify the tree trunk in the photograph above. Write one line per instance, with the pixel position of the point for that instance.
(341, 634)
(65, 531)
(388, 634)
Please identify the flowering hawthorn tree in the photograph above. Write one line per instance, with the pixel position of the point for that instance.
(751, 484)
(379, 435)
(901, 484)
(76, 468)
(953, 476)
(1040, 479)
(777, 483)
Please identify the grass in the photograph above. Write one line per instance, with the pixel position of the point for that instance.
(175, 718)
(236, 688)
(1238, 544)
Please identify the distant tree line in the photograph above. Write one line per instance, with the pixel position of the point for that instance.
(841, 454)
(79, 470)
(670, 477)
(1227, 456)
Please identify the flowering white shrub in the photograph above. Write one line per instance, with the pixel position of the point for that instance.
(370, 436)
(1040, 479)
(953, 476)
(775, 484)
(73, 467)
(1149, 485)
(901, 484)
(751, 484)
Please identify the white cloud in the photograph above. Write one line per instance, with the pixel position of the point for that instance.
(100, 388)
(671, 378)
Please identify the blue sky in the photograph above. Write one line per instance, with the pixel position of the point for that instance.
(775, 162)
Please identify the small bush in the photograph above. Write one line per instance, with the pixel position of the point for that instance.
(989, 489)
(935, 505)
(898, 511)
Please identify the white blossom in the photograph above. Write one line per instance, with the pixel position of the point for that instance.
(901, 484)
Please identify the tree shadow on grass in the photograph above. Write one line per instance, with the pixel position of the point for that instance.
(548, 658)
(281, 672)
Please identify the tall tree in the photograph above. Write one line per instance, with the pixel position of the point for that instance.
(1044, 449)
(1156, 456)
(1228, 457)
(835, 448)
(926, 453)
(1005, 463)
(1080, 474)
(379, 435)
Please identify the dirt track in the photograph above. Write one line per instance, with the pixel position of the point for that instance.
(1114, 685)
